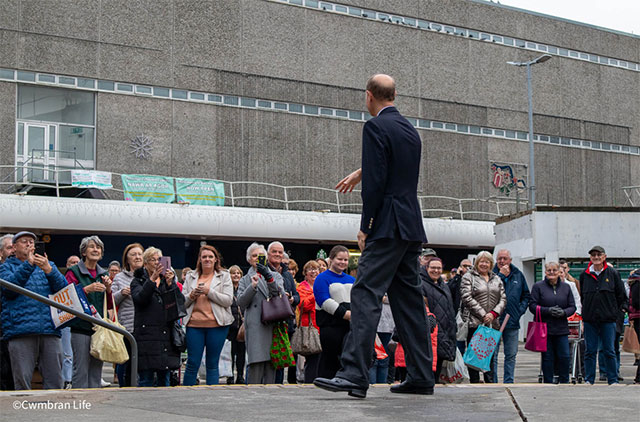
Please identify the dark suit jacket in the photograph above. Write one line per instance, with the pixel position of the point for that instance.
(391, 149)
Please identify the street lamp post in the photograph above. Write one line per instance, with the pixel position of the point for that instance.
(532, 173)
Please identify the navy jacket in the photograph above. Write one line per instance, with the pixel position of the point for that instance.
(518, 296)
(22, 315)
(602, 296)
(545, 295)
(391, 151)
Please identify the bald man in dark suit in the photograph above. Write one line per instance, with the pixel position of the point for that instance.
(390, 238)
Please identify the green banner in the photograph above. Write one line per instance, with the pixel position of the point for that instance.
(200, 191)
(143, 188)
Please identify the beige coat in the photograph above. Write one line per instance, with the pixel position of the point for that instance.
(481, 297)
(220, 296)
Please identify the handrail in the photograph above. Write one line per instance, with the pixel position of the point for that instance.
(326, 197)
(629, 191)
(134, 346)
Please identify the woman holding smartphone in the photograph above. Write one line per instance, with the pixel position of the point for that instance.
(208, 294)
(151, 329)
(258, 284)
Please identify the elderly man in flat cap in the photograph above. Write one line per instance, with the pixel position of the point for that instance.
(26, 323)
(603, 296)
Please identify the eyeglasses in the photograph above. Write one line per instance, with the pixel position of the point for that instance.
(467, 266)
(551, 271)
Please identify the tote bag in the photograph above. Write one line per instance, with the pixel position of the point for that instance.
(482, 346)
(107, 345)
(630, 344)
(536, 334)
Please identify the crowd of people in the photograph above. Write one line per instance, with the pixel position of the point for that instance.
(214, 305)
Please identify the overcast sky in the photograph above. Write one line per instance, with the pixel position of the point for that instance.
(622, 15)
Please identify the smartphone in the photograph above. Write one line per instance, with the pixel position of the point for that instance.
(40, 248)
(262, 259)
(166, 263)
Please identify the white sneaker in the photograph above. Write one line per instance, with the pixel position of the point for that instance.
(104, 383)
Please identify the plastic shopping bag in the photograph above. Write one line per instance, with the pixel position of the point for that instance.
(224, 364)
(72, 296)
(481, 348)
(454, 372)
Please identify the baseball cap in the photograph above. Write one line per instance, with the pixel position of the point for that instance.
(597, 249)
(428, 252)
(22, 234)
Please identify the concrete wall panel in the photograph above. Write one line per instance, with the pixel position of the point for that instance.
(65, 18)
(7, 125)
(140, 23)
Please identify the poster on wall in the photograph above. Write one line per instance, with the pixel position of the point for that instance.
(200, 191)
(144, 188)
(91, 179)
(510, 179)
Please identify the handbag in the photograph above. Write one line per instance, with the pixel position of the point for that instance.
(276, 309)
(241, 331)
(306, 340)
(107, 345)
(174, 308)
(630, 344)
(178, 337)
(280, 352)
(536, 334)
(462, 326)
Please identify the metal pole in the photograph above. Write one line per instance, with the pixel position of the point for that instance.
(532, 172)
(134, 346)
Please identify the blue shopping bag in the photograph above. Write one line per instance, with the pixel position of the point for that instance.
(482, 346)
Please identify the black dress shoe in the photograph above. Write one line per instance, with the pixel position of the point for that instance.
(410, 388)
(340, 384)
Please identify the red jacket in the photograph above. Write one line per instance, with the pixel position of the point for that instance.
(307, 304)
(399, 355)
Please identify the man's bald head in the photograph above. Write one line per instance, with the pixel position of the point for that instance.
(382, 87)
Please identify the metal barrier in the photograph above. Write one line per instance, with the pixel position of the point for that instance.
(134, 346)
(452, 208)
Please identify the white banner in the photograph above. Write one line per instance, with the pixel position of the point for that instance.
(91, 179)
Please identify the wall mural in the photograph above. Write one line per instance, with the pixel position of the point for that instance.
(508, 177)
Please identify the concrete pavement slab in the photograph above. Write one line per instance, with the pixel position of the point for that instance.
(303, 403)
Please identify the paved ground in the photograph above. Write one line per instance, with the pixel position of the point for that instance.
(299, 403)
(531, 402)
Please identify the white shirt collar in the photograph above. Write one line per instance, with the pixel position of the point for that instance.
(383, 109)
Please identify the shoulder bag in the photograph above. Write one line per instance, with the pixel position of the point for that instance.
(107, 345)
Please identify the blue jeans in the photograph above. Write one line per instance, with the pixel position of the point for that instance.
(605, 332)
(378, 372)
(67, 355)
(147, 378)
(557, 353)
(197, 339)
(510, 340)
(616, 348)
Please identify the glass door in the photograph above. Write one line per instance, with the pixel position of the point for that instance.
(34, 146)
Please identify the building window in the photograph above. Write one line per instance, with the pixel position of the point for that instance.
(55, 132)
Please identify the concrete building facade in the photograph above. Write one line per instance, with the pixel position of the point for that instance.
(272, 91)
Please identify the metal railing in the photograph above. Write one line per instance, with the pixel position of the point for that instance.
(312, 198)
(134, 346)
(630, 193)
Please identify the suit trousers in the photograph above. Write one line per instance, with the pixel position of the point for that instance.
(391, 266)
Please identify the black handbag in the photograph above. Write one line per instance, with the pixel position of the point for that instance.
(276, 309)
(178, 337)
(173, 303)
